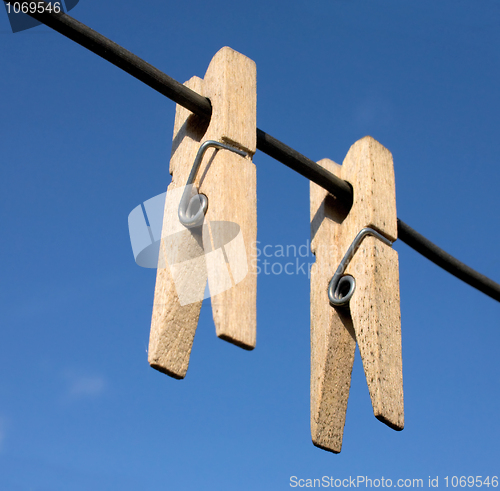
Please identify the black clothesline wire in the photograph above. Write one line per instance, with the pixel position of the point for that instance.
(199, 105)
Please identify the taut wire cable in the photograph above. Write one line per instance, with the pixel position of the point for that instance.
(199, 105)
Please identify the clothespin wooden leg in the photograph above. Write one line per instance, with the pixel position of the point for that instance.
(173, 324)
(372, 318)
(219, 248)
(231, 181)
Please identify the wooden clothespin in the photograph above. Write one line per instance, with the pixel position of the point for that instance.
(372, 316)
(217, 246)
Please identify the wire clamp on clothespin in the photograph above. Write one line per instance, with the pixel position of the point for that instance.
(200, 201)
(341, 287)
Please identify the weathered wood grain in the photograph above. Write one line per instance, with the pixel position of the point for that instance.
(230, 183)
(188, 257)
(373, 316)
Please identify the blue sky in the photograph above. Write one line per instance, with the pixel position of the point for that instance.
(84, 143)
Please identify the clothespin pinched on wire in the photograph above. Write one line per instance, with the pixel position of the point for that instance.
(355, 294)
(210, 218)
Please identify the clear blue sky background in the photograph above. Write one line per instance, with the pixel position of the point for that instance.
(83, 143)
